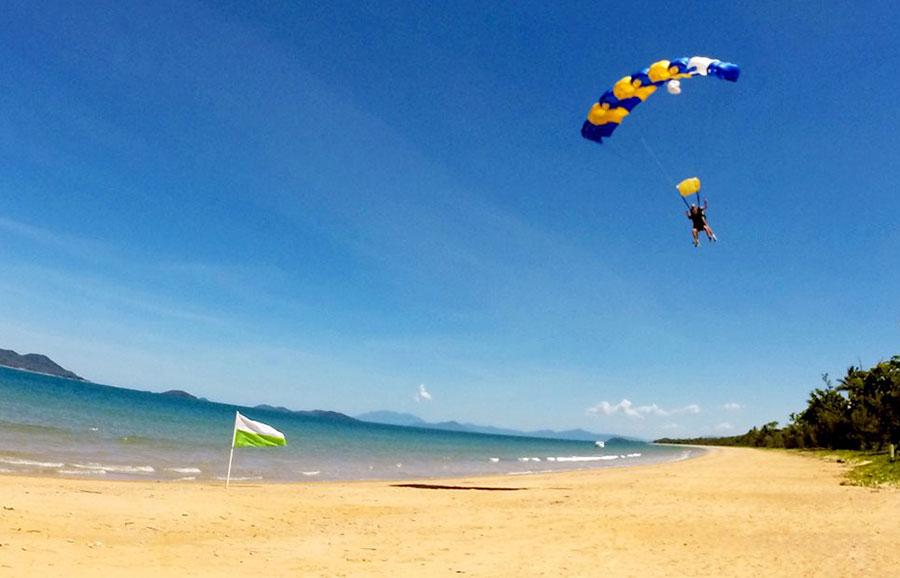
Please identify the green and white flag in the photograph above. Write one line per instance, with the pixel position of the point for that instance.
(255, 433)
(249, 433)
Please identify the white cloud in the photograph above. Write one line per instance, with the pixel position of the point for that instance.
(732, 406)
(626, 408)
(422, 394)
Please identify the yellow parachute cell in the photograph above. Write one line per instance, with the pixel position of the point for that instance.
(601, 113)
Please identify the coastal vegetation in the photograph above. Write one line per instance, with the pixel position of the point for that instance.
(867, 468)
(859, 418)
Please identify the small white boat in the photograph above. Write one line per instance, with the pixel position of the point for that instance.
(600, 443)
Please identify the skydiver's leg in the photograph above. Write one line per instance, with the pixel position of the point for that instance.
(696, 238)
(708, 230)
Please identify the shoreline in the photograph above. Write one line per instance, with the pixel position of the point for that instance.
(312, 477)
(730, 512)
(195, 468)
(237, 480)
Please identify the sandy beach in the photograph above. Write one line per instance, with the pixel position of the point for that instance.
(732, 512)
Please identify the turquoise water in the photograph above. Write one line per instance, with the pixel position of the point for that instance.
(59, 427)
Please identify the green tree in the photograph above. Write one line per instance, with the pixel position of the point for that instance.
(862, 412)
(826, 420)
(874, 403)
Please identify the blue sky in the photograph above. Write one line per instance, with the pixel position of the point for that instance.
(346, 205)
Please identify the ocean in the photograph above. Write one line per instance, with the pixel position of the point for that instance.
(51, 426)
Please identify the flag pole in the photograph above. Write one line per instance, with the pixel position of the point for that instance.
(231, 455)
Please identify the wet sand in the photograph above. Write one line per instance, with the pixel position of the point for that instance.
(733, 512)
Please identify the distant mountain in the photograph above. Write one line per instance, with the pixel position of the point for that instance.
(35, 362)
(392, 418)
(179, 393)
(410, 420)
(312, 413)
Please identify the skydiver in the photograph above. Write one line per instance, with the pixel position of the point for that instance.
(697, 216)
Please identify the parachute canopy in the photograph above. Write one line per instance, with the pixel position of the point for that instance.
(688, 187)
(630, 91)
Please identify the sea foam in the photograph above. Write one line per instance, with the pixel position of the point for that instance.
(185, 470)
(95, 467)
(30, 463)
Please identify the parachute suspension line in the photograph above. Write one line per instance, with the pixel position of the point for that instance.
(666, 175)
(620, 156)
(658, 163)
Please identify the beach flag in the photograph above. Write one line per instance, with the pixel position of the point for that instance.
(255, 433)
(249, 433)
